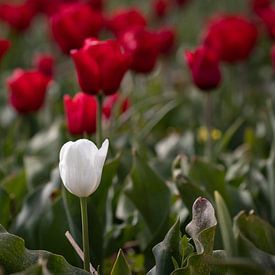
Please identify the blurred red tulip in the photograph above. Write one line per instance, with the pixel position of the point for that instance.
(17, 16)
(160, 7)
(258, 5)
(81, 113)
(27, 90)
(167, 39)
(125, 19)
(100, 66)
(73, 24)
(181, 3)
(232, 36)
(96, 4)
(44, 63)
(204, 67)
(111, 102)
(143, 46)
(4, 47)
(268, 17)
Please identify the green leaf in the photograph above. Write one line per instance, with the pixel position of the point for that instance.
(203, 217)
(166, 251)
(121, 266)
(225, 224)
(209, 176)
(149, 194)
(202, 230)
(256, 230)
(14, 257)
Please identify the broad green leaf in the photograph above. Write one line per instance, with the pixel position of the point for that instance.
(166, 251)
(202, 230)
(203, 217)
(256, 230)
(225, 224)
(121, 267)
(14, 257)
(209, 176)
(149, 194)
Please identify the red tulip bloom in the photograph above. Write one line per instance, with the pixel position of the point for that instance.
(44, 63)
(125, 19)
(259, 5)
(160, 7)
(4, 47)
(111, 102)
(73, 24)
(143, 46)
(100, 66)
(96, 4)
(204, 67)
(81, 113)
(268, 18)
(17, 16)
(27, 90)
(167, 39)
(232, 36)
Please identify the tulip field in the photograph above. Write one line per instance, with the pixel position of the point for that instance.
(137, 137)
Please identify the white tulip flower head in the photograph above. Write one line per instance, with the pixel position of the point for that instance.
(81, 164)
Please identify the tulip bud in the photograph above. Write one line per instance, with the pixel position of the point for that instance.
(125, 19)
(268, 17)
(204, 66)
(4, 47)
(27, 90)
(81, 164)
(73, 23)
(160, 8)
(100, 66)
(81, 113)
(231, 45)
(44, 63)
(17, 16)
(110, 103)
(167, 39)
(143, 46)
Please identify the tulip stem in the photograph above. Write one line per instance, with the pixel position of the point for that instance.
(208, 124)
(99, 119)
(85, 233)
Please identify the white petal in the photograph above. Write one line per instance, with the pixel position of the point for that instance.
(77, 167)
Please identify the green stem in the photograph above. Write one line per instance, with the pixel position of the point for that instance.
(208, 123)
(99, 120)
(85, 233)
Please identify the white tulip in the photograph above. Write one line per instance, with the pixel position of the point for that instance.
(81, 164)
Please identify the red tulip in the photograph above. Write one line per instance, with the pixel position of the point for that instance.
(259, 5)
(125, 19)
(17, 16)
(81, 113)
(96, 4)
(73, 24)
(143, 46)
(4, 47)
(27, 90)
(160, 8)
(232, 36)
(44, 63)
(100, 66)
(268, 17)
(167, 37)
(204, 66)
(111, 102)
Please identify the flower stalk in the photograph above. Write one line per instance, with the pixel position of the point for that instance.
(85, 233)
